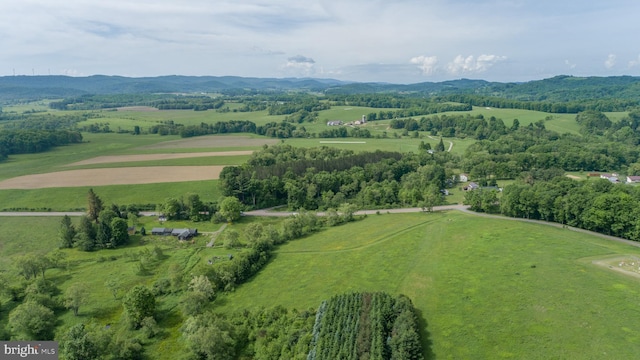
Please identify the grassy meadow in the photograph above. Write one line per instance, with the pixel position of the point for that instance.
(486, 288)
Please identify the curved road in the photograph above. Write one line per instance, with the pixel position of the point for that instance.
(463, 208)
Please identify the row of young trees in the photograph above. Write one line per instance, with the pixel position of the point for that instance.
(366, 326)
(349, 326)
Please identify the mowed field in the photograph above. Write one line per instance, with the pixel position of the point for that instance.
(122, 169)
(485, 288)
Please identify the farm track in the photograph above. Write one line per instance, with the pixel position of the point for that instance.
(364, 246)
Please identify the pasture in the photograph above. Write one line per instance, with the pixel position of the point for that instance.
(486, 288)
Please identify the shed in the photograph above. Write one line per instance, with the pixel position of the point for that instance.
(161, 231)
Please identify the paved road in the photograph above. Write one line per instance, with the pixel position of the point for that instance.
(270, 212)
(57, 213)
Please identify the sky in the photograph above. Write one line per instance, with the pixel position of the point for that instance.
(395, 41)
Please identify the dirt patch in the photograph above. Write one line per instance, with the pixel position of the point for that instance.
(113, 176)
(211, 142)
(628, 265)
(573, 177)
(152, 157)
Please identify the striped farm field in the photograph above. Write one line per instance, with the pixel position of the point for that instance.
(113, 176)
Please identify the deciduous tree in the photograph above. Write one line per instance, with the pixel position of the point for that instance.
(32, 321)
(230, 208)
(138, 304)
(75, 296)
(79, 344)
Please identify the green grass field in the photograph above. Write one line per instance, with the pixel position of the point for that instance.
(486, 288)
(73, 198)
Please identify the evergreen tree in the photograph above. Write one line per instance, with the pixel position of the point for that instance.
(67, 232)
(440, 146)
(94, 206)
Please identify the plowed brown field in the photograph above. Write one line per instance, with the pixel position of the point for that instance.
(113, 176)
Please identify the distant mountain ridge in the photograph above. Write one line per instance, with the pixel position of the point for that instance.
(559, 88)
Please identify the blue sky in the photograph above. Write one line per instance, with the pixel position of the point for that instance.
(402, 41)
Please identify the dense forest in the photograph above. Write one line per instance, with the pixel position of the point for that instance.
(34, 141)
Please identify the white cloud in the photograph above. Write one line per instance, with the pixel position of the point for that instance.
(610, 62)
(428, 64)
(300, 65)
(569, 64)
(363, 39)
(469, 64)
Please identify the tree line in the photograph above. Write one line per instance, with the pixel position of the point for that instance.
(557, 106)
(159, 101)
(597, 205)
(461, 126)
(34, 141)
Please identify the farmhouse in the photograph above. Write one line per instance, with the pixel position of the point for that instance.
(463, 177)
(633, 179)
(471, 186)
(184, 234)
(611, 177)
(334, 123)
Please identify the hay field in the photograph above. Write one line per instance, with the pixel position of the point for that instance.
(151, 157)
(212, 141)
(113, 176)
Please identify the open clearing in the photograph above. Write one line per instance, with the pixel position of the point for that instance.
(151, 157)
(113, 176)
(213, 142)
(628, 265)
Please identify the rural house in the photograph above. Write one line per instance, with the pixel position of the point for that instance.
(184, 234)
(611, 177)
(633, 179)
(471, 186)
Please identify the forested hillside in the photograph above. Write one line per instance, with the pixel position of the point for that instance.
(559, 89)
